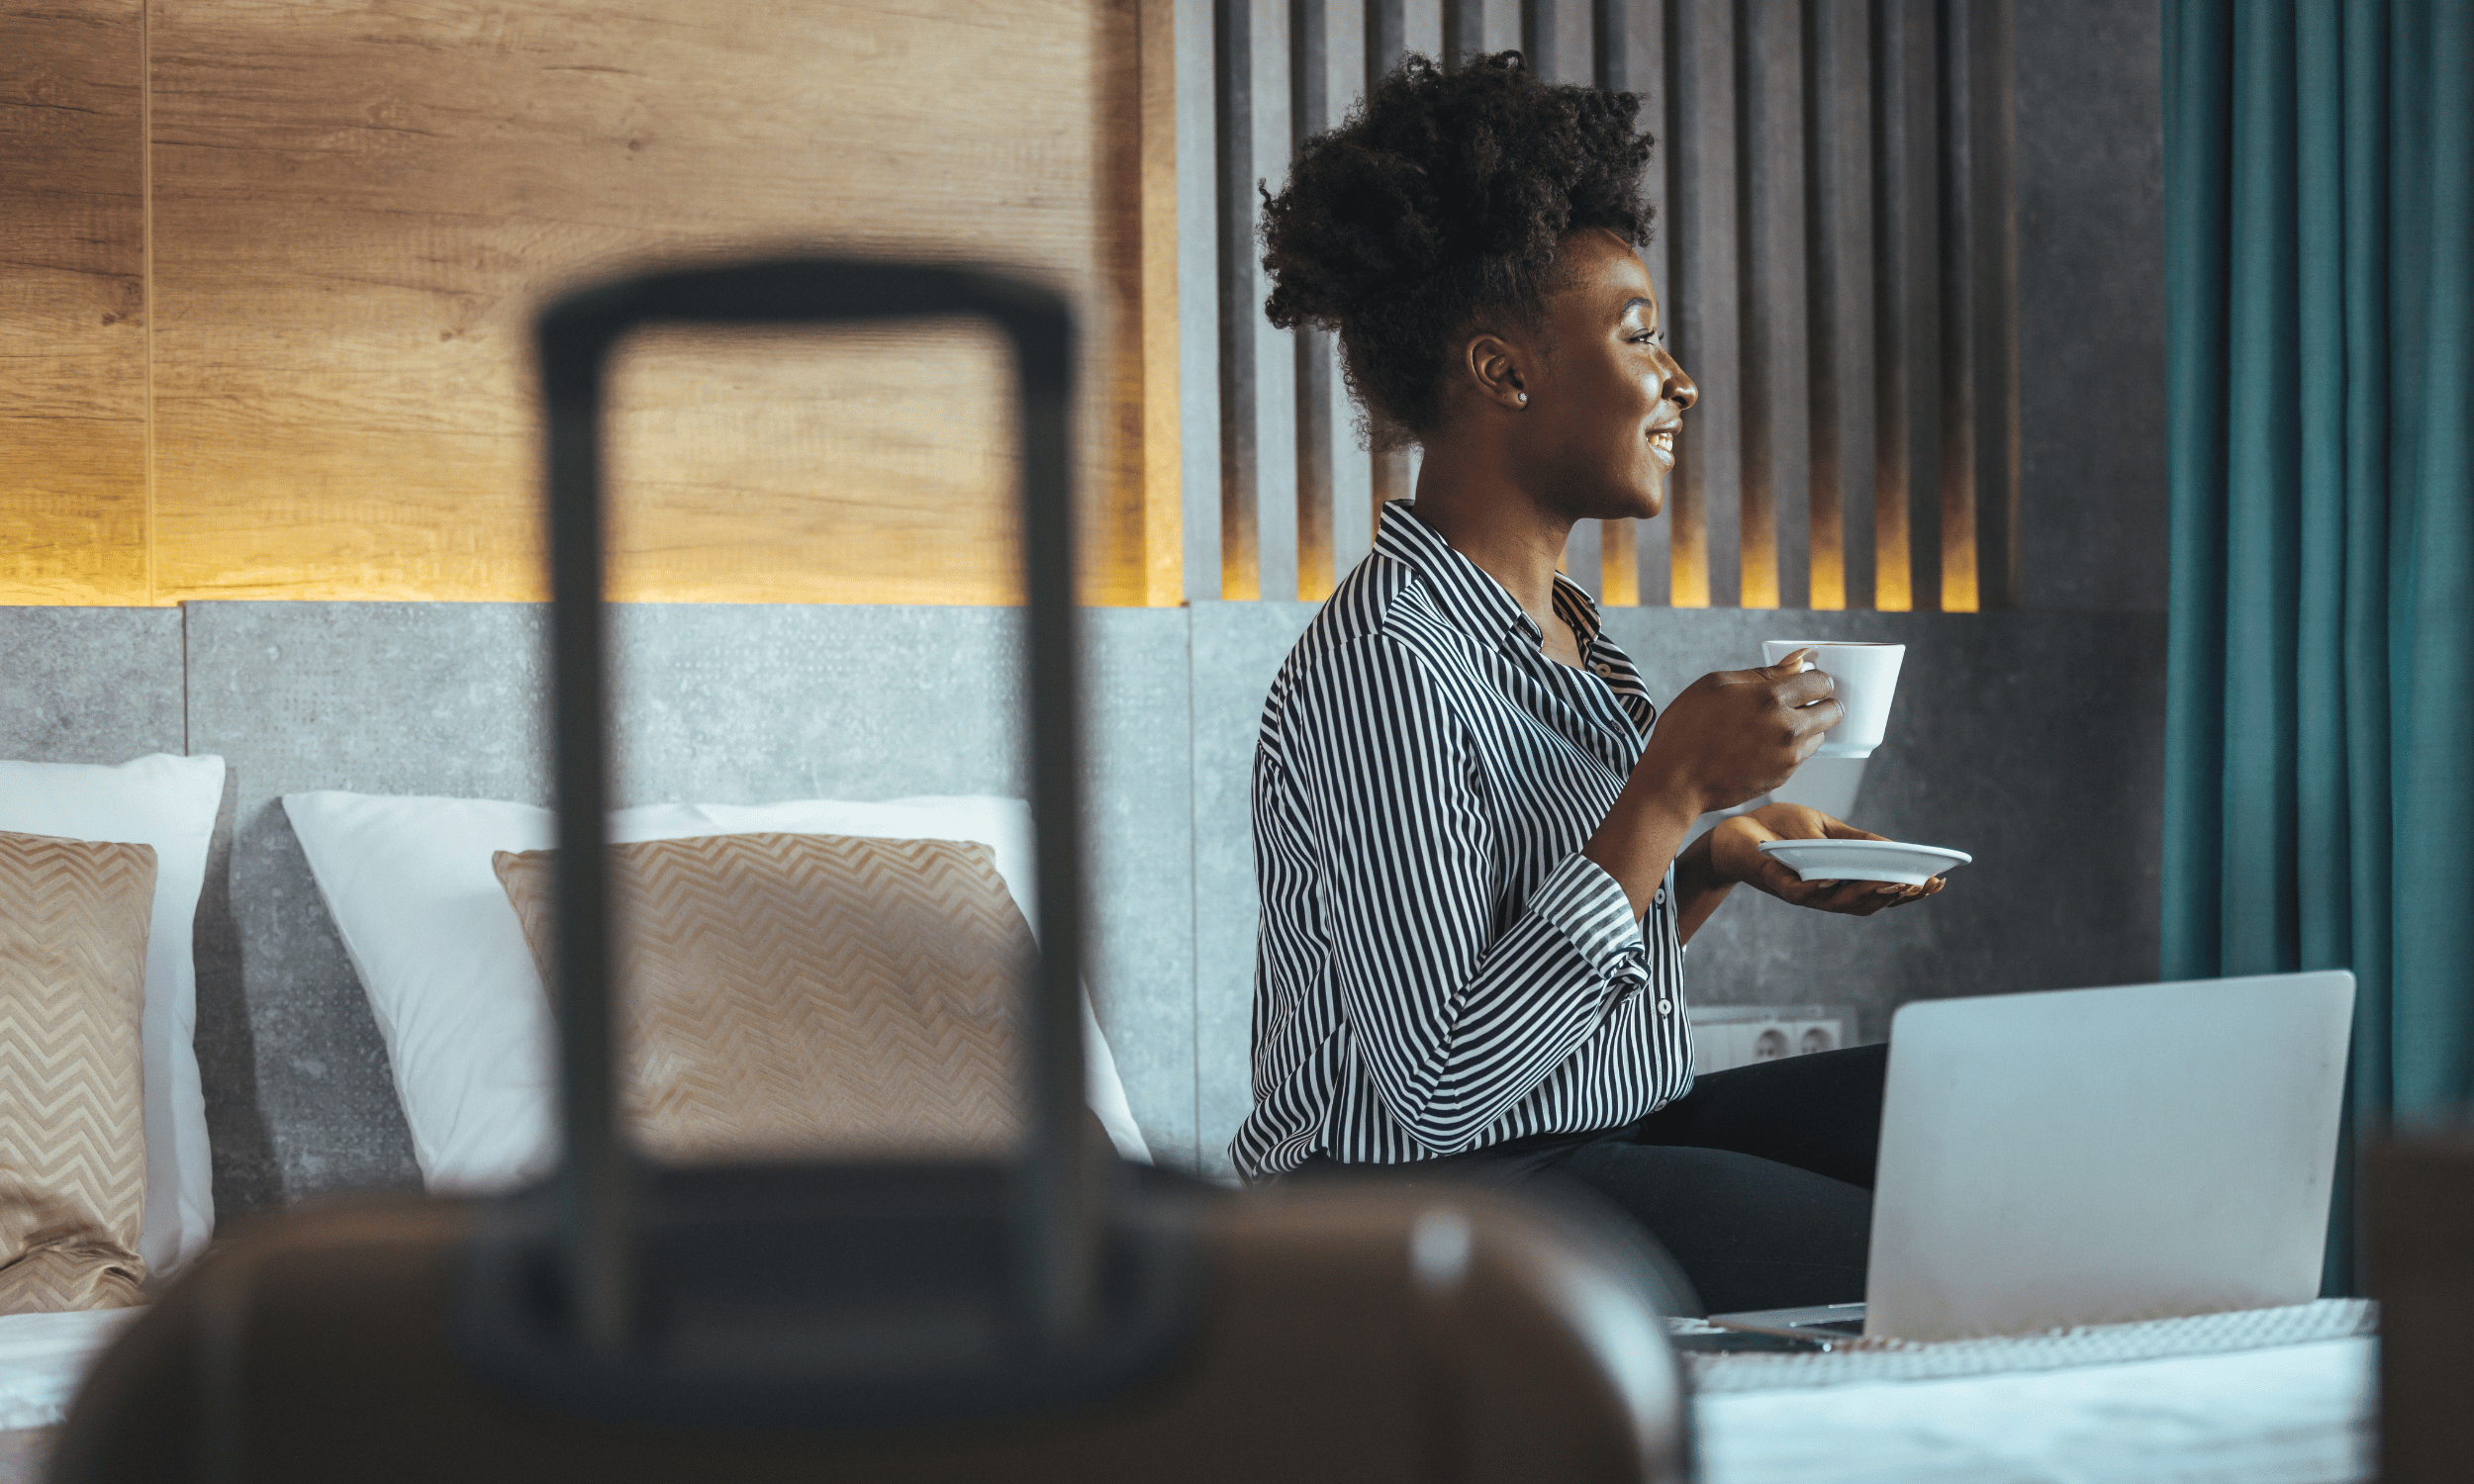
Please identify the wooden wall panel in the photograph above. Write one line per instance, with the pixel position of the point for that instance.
(357, 206)
(72, 309)
(716, 446)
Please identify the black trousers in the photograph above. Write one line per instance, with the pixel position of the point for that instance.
(1758, 1183)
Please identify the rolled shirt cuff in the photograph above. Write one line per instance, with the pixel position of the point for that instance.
(1588, 906)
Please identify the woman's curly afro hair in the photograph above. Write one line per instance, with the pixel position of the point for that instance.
(1437, 205)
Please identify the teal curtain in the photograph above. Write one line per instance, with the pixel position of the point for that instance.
(2320, 728)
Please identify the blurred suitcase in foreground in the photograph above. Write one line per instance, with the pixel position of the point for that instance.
(1051, 1316)
(1338, 1334)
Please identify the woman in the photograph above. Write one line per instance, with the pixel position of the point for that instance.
(1469, 820)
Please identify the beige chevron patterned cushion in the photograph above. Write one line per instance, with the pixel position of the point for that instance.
(73, 920)
(804, 995)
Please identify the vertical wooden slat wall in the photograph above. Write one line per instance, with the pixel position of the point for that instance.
(1276, 532)
(1682, 293)
(1897, 257)
(1992, 308)
(1626, 47)
(1309, 81)
(1836, 261)
(1764, 533)
(1556, 35)
(1954, 195)
(1825, 200)
(1241, 409)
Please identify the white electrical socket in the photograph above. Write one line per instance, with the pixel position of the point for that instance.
(1727, 1036)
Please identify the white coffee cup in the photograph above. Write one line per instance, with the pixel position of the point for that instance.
(1866, 676)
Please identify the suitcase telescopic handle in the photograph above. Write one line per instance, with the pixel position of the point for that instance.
(1056, 1210)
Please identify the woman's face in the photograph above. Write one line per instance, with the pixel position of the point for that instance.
(1597, 434)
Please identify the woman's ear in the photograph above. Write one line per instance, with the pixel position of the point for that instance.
(1495, 372)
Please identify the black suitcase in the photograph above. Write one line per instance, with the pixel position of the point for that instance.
(1056, 1316)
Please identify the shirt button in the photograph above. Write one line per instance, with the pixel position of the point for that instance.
(1666, 1007)
(1660, 897)
(1603, 668)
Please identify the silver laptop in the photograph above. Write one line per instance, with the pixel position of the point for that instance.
(2099, 1156)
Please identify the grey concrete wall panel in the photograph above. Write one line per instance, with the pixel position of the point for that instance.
(716, 703)
(2035, 742)
(2091, 311)
(1238, 648)
(376, 697)
(731, 703)
(89, 684)
(1141, 847)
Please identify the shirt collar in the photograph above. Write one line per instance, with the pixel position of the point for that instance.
(1470, 598)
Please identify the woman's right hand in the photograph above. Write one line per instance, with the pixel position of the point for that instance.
(1737, 734)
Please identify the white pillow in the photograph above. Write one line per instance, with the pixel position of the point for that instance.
(462, 1007)
(170, 803)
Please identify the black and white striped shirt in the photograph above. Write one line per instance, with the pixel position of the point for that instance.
(1439, 968)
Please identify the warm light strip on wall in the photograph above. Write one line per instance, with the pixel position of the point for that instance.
(1959, 559)
(1687, 555)
(1829, 565)
(1760, 559)
(1162, 474)
(1619, 565)
(1892, 590)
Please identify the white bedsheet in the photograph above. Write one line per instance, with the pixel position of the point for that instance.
(2300, 1414)
(42, 1357)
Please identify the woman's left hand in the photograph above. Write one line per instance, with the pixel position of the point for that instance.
(1734, 856)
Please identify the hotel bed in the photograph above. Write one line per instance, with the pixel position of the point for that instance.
(2276, 1395)
(385, 697)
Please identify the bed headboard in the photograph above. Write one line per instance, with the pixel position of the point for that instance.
(718, 703)
(2034, 740)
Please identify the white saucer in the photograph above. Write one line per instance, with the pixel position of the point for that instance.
(1864, 860)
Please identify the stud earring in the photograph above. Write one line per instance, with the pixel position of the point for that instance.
(1521, 397)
